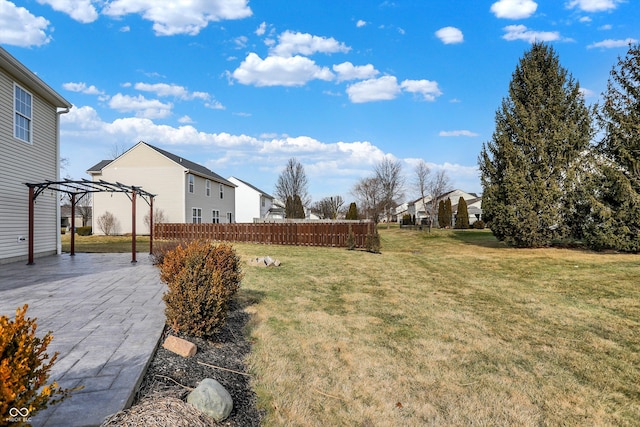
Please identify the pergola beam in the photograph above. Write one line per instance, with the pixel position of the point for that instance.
(83, 187)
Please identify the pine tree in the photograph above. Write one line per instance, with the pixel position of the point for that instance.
(615, 219)
(441, 214)
(462, 217)
(448, 213)
(529, 168)
(353, 211)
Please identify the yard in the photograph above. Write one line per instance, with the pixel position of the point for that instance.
(448, 327)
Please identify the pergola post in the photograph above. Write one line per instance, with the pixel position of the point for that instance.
(73, 224)
(133, 226)
(31, 214)
(150, 225)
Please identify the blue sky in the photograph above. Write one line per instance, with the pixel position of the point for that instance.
(241, 86)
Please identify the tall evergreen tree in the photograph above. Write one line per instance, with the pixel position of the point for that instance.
(448, 213)
(462, 216)
(441, 214)
(529, 166)
(352, 213)
(615, 219)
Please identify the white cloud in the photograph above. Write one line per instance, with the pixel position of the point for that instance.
(142, 107)
(514, 9)
(80, 10)
(185, 120)
(361, 23)
(521, 32)
(215, 105)
(18, 27)
(262, 29)
(593, 5)
(457, 133)
(347, 71)
(290, 43)
(179, 18)
(179, 92)
(427, 88)
(384, 88)
(82, 88)
(585, 19)
(450, 35)
(610, 43)
(279, 71)
(587, 93)
(605, 27)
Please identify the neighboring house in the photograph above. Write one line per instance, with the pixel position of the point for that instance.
(29, 152)
(186, 192)
(251, 202)
(82, 214)
(417, 207)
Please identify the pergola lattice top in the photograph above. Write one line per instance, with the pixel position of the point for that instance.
(82, 188)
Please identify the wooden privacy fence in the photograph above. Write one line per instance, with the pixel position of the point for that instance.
(282, 233)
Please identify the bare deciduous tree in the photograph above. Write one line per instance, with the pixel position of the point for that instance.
(293, 182)
(422, 175)
(158, 218)
(368, 192)
(329, 207)
(108, 223)
(389, 175)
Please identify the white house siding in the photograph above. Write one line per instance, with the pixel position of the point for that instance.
(21, 162)
(249, 202)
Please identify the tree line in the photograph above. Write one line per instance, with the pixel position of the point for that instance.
(556, 170)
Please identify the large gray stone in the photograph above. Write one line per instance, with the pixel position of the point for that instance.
(212, 399)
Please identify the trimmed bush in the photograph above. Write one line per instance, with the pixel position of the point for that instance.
(84, 231)
(351, 239)
(479, 225)
(24, 369)
(202, 279)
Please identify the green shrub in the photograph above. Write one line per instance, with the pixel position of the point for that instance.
(202, 278)
(372, 242)
(83, 231)
(63, 230)
(351, 239)
(24, 370)
(479, 225)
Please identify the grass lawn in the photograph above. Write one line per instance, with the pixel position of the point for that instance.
(442, 328)
(446, 328)
(105, 244)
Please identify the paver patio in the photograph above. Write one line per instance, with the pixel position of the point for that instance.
(106, 315)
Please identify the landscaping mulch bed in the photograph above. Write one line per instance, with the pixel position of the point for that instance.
(170, 377)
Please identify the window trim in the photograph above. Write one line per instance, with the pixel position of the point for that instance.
(230, 217)
(191, 183)
(215, 219)
(221, 191)
(16, 113)
(196, 215)
(207, 188)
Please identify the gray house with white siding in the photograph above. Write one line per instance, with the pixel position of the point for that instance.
(29, 152)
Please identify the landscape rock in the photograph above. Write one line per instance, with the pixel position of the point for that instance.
(180, 346)
(211, 398)
(264, 262)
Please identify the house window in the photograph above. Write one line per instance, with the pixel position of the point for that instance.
(22, 116)
(221, 191)
(192, 183)
(229, 217)
(215, 217)
(196, 214)
(207, 188)
(262, 200)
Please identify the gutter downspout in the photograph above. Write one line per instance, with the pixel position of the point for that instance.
(58, 236)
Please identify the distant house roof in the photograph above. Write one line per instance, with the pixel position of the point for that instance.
(265, 194)
(28, 78)
(187, 164)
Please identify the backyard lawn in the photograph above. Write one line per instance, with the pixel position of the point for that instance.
(444, 328)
